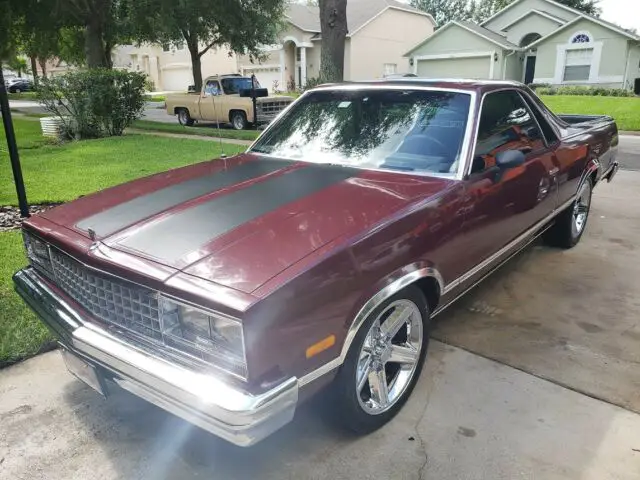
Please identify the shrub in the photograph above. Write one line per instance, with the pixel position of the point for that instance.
(94, 103)
(580, 90)
(313, 82)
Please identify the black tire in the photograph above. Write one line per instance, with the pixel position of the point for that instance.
(184, 118)
(346, 407)
(238, 120)
(565, 233)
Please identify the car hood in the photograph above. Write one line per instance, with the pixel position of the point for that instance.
(239, 222)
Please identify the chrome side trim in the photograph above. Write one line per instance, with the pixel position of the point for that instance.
(373, 303)
(508, 247)
(512, 248)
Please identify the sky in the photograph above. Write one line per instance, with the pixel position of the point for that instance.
(625, 13)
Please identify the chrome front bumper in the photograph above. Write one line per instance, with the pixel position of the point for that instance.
(202, 399)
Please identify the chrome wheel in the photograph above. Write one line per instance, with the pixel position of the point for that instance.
(183, 117)
(581, 209)
(389, 356)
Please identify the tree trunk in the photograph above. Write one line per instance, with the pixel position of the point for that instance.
(43, 66)
(333, 27)
(94, 47)
(108, 48)
(34, 69)
(196, 65)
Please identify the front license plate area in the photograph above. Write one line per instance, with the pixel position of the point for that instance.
(84, 372)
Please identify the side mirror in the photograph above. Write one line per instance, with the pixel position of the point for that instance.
(510, 159)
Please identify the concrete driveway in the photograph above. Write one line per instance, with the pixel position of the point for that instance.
(533, 375)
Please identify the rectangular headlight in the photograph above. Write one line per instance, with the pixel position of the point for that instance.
(38, 253)
(209, 336)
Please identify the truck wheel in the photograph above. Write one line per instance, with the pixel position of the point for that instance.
(184, 118)
(383, 363)
(238, 120)
(570, 224)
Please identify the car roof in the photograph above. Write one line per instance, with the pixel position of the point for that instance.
(444, 83)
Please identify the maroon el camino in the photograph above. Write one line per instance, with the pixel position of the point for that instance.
(229, 291)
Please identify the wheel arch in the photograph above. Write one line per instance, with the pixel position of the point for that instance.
(241, 110)
(425, 276)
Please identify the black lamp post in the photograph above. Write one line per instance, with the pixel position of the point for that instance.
(13, 148)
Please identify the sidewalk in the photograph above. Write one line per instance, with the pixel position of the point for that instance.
(234, 141)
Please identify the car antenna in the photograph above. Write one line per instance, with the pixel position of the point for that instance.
(215, 113)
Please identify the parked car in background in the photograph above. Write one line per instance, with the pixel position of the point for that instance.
(17, 85)
(230, 291)
(226, 98)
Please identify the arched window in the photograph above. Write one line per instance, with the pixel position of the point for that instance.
(529, 38)
(581, 37)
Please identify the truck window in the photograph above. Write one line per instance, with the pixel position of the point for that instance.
(211, 88)
(233, 85)
(505, 124)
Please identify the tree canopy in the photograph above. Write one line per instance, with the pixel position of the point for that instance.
(444, 11)
(241, 25)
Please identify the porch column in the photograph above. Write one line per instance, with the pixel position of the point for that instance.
(283, 80)
(303, 64)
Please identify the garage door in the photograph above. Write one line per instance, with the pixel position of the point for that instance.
(472, 67)
(177, 79)
(267, 77)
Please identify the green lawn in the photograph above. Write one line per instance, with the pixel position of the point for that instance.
(21, 333)
(626, 110)
(23, 96)
(211, 131)
(55, 173)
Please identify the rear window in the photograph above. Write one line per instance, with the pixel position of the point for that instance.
(406, 130)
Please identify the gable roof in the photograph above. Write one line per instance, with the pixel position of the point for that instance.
(589, 18)
(485, 33)
(542, 13)
(580, 15)
(359, 13)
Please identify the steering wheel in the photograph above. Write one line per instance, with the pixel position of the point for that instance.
(429, 138)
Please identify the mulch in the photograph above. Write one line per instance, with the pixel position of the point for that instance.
(10, 216)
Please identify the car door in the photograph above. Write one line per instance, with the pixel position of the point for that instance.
(503, 203)
(208, 106)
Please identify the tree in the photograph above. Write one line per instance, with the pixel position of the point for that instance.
(444, 11)
(241, 25)
(333, 30)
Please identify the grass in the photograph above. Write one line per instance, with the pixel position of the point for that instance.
(23, 96)
(625, 110)
(205, 131)
(58, 173)
(155, 98)
(21, 333)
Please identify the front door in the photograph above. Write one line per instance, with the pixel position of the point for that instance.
(504, 203)
(530, 70)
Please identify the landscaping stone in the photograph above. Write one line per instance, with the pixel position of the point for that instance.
(10, 216)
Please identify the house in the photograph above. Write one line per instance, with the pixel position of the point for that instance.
(533, 41)
(379, 33)
(169, 66)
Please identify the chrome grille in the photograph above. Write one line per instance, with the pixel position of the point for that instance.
(270, 109)
(113, 301)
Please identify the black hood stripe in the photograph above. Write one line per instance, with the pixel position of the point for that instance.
(184, 232)
(128, 213)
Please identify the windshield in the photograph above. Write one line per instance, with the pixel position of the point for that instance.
(405, 130)
(235, 84)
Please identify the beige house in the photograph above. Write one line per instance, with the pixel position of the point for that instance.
(533, 41)
(169, 66)
(380, 32)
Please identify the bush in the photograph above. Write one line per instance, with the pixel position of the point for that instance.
(94, 103)
(590, 91)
